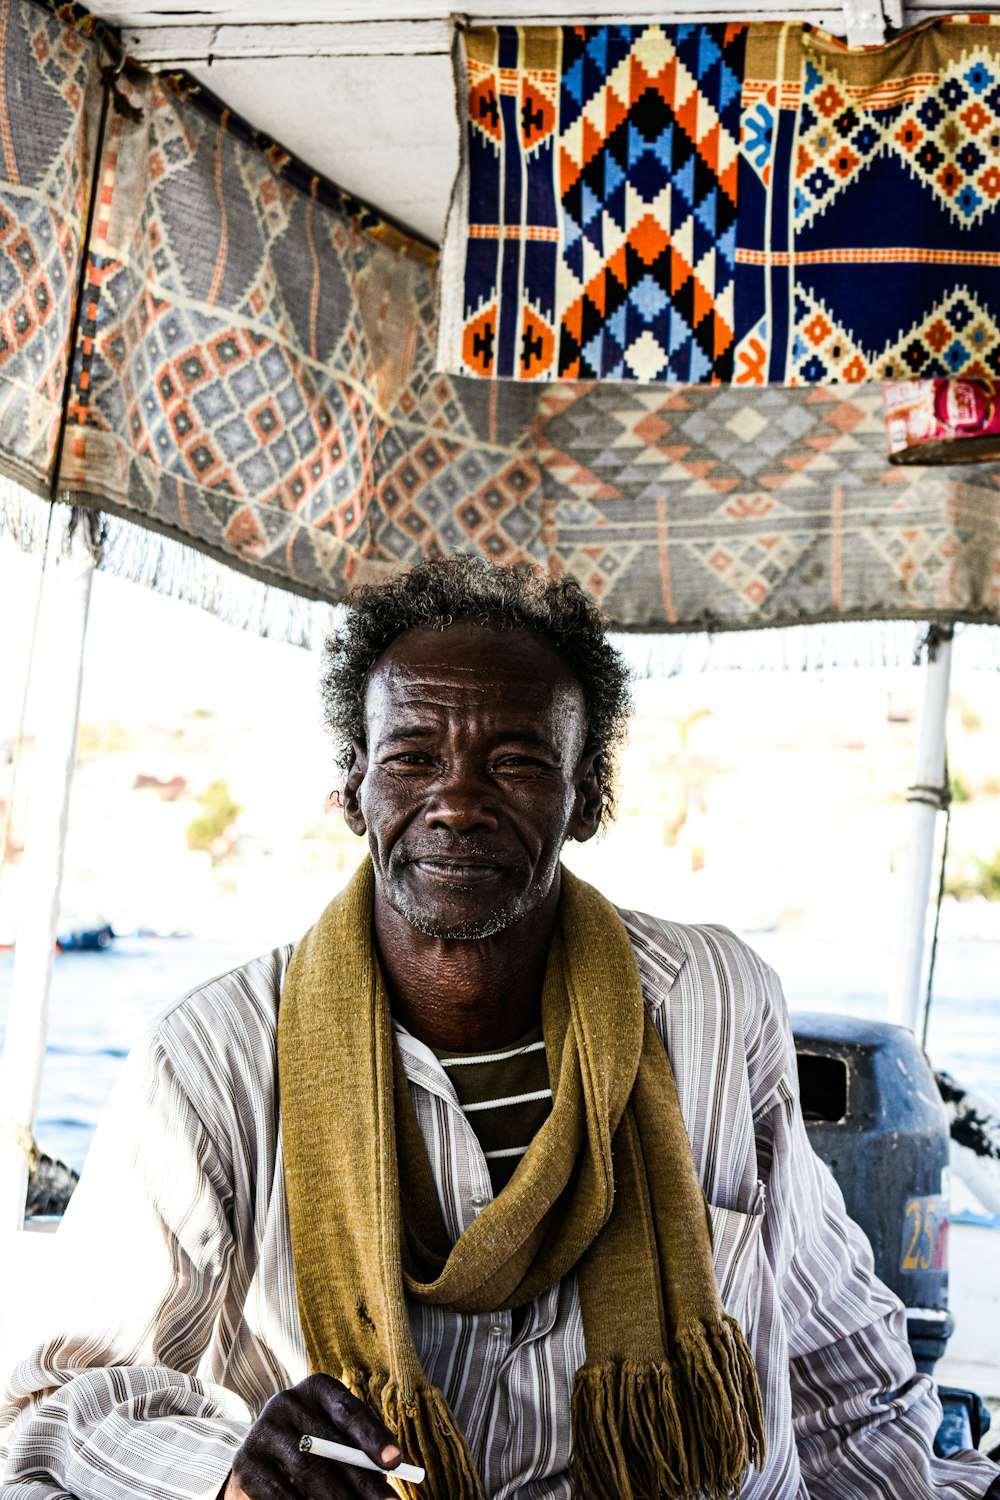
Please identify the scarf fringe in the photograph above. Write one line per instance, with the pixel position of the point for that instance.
(672, 1431)
(426, 1432)
(722, 1399)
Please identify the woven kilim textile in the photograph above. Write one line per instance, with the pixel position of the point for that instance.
(726, 203)
(49, 104)
(714, 509)
(245, 354)
(253, 374)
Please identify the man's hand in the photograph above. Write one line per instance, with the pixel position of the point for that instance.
(270, 1466)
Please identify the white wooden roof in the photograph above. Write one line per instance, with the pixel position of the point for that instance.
(362, 89)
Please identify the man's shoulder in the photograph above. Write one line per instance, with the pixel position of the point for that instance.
(233, 1014)
(713, 1000)
(669, 948)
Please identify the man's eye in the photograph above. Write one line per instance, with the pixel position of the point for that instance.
(408, 758)
(518, 763)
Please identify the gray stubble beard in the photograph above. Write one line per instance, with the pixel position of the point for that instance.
(497, 921)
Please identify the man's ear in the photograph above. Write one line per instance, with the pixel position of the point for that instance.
(585, 818)
(353, 816)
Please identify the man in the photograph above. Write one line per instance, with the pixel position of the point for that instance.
(446, 1203)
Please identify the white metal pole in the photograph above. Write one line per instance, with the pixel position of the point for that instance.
(58, 672)
(906, 998)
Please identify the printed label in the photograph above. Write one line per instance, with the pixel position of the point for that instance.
(925, 1234)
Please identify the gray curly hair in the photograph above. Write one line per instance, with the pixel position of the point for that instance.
(433, 595)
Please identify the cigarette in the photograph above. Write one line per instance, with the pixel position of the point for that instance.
(342, 1454)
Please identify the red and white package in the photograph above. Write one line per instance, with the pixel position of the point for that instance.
(942, 421)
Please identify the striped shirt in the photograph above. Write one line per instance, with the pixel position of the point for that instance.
(182, 1317)
(505, 1097)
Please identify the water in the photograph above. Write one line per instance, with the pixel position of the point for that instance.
(102, 1002)
(99, 1005)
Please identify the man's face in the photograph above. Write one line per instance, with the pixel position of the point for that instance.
(474, 773)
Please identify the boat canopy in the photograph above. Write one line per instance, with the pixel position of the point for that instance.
(204, 336)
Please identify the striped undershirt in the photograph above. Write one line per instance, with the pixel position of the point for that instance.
(505, 1096)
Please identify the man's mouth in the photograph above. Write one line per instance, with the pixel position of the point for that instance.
(457, 869)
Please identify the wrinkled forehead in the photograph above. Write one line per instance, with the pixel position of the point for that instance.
(515, 675)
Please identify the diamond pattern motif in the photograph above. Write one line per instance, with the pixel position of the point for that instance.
(724, 529)
(616, 216)
(889, 161)
(753, 204)
(959, 332)
(48, 69)
(648, 153)
(945, 133)
(267, 390)
(295, 425)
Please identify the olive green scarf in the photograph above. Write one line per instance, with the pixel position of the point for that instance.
(667, 1403)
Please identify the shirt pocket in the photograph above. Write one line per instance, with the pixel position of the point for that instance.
(736, 1246)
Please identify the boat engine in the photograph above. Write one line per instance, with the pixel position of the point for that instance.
(875, 1116)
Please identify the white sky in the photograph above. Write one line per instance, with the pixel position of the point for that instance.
(161, 658)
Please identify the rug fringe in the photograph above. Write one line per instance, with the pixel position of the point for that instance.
(166, 566)
(799, 648)
(24, 517)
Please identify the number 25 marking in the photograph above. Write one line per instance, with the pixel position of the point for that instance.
(922, 1212)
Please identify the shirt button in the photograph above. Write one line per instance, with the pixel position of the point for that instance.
(496, 1330)
(479, 1201)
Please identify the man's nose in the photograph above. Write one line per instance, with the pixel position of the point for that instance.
(463, 802)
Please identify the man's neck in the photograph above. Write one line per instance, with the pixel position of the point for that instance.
(466, 995)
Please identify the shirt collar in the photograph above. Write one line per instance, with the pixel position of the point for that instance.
(422, 1066)
(659, 960)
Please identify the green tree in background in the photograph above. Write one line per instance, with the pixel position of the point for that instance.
(210, 829)
(976, 877)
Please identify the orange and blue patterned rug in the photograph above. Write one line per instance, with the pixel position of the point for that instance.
(750, 204)
(263, 388)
